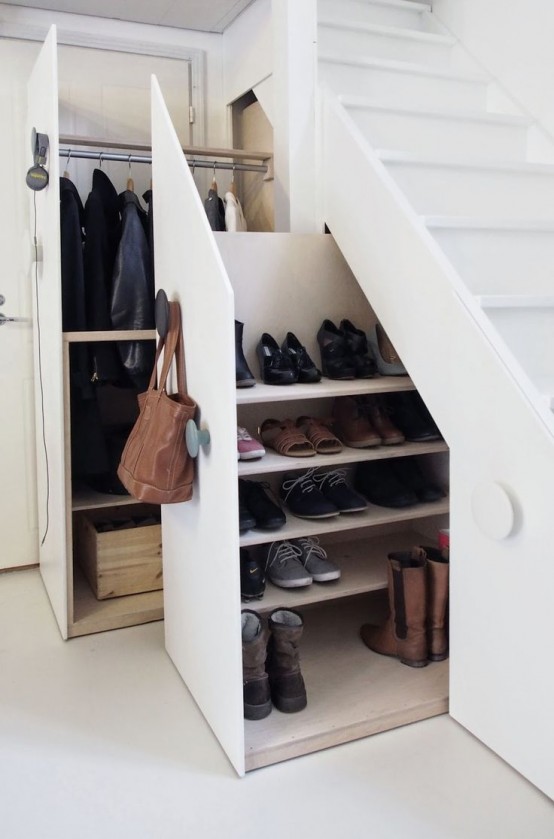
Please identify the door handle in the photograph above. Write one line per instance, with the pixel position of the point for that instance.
(7, 319)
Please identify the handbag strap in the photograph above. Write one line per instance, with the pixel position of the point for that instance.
(173, 347)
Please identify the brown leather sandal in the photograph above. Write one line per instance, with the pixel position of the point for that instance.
(320, 435)
(286, 438)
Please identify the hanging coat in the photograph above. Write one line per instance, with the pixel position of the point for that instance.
(215, 210)
(102, 231)
(132, 303)
(234, 217)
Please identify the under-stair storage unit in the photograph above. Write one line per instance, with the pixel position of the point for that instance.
(276, 282)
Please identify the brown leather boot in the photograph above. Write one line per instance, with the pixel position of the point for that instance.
(255, 683)
(351, 423)
(376, 411)
(288, 691)
(437, 602)
(403, 633)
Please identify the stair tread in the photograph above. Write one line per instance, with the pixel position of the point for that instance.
(515, 301)
(475, 223)
(395, 65)
(350, 101)
(415, 159)
(400, 4)
(388, 31)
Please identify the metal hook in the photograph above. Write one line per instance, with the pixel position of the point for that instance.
(68, 157)
(100, 157)
(129, 162)
(193, 166)
(215, 163)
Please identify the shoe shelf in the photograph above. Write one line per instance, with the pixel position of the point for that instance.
(371, 517)
(85, 498)
(272, 462)
(326, 388)
(109, 335)
(352, 692)
(363, 565)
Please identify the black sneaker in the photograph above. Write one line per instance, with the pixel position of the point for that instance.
(335, 489)
(246, 519)
(300, 492)
(267, 514)
(252, 577)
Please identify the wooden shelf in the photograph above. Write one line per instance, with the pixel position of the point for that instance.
(363, 564)
(85, 498)
(326, 388)
(371, 517)
(352, 692)
(110, 335)
(92, 615)
(273, 462)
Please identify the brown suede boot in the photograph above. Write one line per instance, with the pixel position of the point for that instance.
(257, 699)
(351, 423)
(288, 691)
(437, 602)
(403, 633)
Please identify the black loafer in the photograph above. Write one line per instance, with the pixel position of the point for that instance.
(335, 358)
(377, 481)
(267, 514)
(305, 368)
(275, 366)
(358, 348)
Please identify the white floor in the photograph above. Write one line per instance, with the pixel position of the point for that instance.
(100, 738)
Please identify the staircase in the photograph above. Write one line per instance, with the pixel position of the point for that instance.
(449, 228)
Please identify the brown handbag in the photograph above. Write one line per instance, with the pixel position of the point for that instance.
(155, 465)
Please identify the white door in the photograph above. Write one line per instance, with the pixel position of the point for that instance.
(200, 538)
(47, 327)
(18, 527)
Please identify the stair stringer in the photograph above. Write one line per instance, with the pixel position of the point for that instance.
(497, 438)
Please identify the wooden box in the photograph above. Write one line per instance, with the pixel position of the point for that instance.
(120, 551)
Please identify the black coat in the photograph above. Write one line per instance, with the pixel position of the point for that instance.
(215, 210)
(132, 303)
(102, 229)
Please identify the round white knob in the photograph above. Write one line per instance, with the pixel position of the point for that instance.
(492, 509)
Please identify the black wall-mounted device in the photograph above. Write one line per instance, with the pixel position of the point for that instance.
(37, 176)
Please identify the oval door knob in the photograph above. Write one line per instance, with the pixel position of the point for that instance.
(195, 437)
(492, 509)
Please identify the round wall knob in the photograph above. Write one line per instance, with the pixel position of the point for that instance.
(492, 509)
(195, 437)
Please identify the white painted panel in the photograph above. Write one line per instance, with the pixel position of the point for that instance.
(501, 590)
(200, 538)
(406, 15)
(43, 114)
(384, 42)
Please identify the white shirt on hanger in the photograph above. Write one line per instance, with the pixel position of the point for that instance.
(234, 217)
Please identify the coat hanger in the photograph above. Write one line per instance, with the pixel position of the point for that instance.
(214, 182)
(232, 185)
(130, 181)
(66, 171)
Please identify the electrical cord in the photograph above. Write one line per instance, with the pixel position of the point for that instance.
(39, 355)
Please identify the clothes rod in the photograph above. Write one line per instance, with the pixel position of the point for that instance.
(138, 158)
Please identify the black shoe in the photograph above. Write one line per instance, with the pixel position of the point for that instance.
(406, 412)
(409, 472)
(246, 519)
(335, 359)
(305, 369)
(267, 514)
(275, 366)
(336, 490)
(299, 491)
(358, 349)
(377, 481)
(244, 375)
(252, 577)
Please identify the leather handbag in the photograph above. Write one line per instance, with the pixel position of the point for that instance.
(155, 465)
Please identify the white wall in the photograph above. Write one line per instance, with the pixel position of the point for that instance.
(247, 50)
(511, 41)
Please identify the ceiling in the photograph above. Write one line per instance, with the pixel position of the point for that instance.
(203, 15)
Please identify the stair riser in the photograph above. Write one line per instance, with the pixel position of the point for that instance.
(375, 45)
(366, 12)
(501, 262)
(435, 190)
(398, 88)
(431, 135)
(529, 333)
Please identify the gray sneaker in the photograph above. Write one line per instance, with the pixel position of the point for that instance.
(314, 559)
(283, 565)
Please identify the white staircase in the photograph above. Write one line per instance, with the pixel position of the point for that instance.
(448, 225)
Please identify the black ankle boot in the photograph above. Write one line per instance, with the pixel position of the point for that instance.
(244, 375)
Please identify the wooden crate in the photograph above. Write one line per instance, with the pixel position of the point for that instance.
(125, 560)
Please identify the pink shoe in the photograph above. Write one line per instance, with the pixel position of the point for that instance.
(248, 448)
